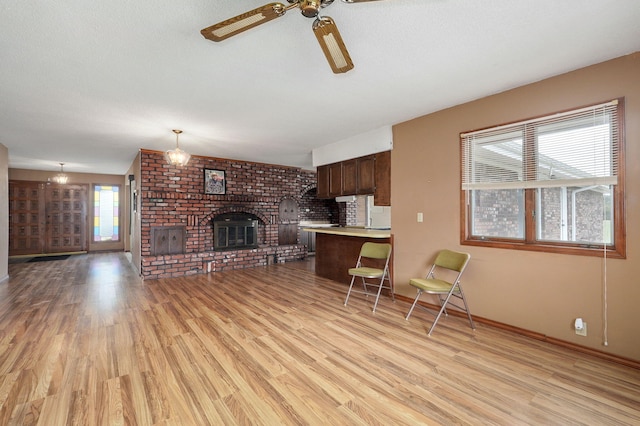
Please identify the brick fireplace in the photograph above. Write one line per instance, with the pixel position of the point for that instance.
(173, 205)
(235, 231)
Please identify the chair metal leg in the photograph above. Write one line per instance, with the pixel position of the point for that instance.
(364, 286)
(413, 305)
(442, 309)
(378, 295)
(365, 289)
(353, 278)
(443, 304)
(466, 308)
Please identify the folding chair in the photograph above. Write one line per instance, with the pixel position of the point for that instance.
(455, 263)
(368, 268)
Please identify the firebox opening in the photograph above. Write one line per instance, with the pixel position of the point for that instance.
(234, 231)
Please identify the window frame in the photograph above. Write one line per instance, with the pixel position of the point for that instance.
(617, 250)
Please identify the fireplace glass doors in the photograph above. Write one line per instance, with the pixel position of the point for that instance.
(235, 232)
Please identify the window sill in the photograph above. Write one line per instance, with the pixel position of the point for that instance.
(612, 253)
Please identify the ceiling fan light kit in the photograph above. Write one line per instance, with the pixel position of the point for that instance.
(311, 8)
(323, 27)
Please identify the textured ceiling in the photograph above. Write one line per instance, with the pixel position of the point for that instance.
(89, 83)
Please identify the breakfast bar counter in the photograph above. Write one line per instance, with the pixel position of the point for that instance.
(337, 249)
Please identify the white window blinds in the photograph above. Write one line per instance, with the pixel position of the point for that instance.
(576, 148)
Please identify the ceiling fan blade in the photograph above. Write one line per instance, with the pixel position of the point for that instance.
(332, 44)
(240, 23)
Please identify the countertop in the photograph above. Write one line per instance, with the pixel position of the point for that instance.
(352, 232)
(312, 224)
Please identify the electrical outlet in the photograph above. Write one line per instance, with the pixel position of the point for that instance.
(583, 330)
(420, 217)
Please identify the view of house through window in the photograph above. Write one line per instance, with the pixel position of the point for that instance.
(552, 181)
(106, 213)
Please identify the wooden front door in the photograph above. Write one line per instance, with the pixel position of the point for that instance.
(26, 218)
(47, 218)
(66, 209)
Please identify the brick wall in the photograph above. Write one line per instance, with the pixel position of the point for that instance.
(172, 196)
(316, 209)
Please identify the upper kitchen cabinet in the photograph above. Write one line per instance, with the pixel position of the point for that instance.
(359, 176)
(335, 180)
(323, 182)
(350, 177)
(366, 175)
(382, 194)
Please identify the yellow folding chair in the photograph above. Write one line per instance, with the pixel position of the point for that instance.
(372, 254)
(455, 263)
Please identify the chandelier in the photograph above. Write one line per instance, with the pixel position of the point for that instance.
(61, 178)
(177, 157)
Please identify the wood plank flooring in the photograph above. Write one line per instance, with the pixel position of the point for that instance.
(84, 341)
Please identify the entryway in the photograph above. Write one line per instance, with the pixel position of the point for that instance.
(47, 218)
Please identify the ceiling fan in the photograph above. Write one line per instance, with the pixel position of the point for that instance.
(324, 27)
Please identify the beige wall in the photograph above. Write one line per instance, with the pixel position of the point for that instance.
(90, 179)
(541, 292)
(133, 238)
(4, 213)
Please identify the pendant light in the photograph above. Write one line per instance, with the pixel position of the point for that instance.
(177, 157)
(61, 178)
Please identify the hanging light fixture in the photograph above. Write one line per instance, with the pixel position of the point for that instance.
(177, 157)
(61, 178)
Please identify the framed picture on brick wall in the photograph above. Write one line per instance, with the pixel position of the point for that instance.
(214, 182)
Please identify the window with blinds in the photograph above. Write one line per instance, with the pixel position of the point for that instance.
(552, 181)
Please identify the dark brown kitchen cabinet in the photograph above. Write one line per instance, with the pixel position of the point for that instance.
(382, 195)
(366, 175)
(323, 182)
(350, 177)
(335, 180)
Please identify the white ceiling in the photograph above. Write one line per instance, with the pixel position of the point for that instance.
(89, 83)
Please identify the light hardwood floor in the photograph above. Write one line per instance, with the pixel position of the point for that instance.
(84, 341)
